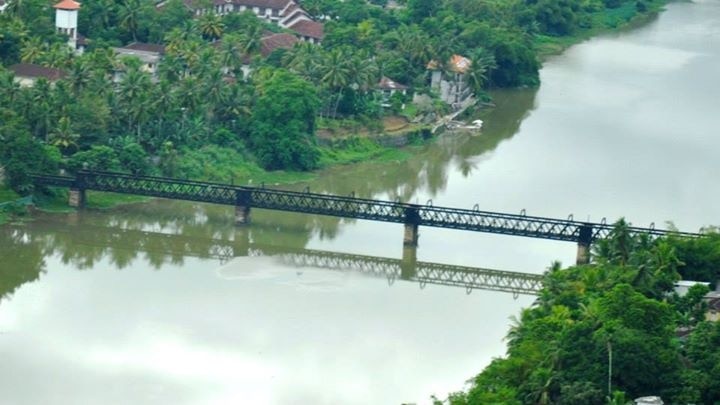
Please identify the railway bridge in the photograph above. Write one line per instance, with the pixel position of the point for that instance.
(412, 216)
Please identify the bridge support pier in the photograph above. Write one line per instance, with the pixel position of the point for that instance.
(242, 215)
(76, 197)
(408, 265)
(410, 236)
(583, 244)
(583, 254)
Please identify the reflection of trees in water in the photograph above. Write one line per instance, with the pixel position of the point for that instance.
(428, 169)
(82, 244)
(93, 236)
(22, 259)
(160, 232)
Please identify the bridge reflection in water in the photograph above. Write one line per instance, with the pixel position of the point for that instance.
(408, 268)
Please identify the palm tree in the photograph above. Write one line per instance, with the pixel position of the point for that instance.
(483, 63)
(79, 76)
(214, 91)
(102, 59)
(335, 71)
(363, 71)
(163, 101)
(130, 13)
(251, 40)
(32, 50)
(9, 88)
(133, 92)
(173, 41)
(41, 108)
(64, 137)
(236, 103)
(58, 56)
(231, 54)
(302, 60)
(211, 26)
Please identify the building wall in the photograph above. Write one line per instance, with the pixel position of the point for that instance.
(66, 18)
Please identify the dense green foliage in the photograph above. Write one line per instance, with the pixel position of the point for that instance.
(617, 315)
(110, 113)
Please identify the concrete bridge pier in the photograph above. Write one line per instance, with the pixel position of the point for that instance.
(76, 197)
(243, 199)
(408, 265)
(411, 235)
(583, 244)
(242, 215)
(412, 221)
(583, 254)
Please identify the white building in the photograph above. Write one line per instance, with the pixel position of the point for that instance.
(285, 13)
(451, 82)
(149, 54)
(66, 16)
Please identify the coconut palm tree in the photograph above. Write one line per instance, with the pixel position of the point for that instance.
(211, 26)
(9, 88)
(79, 76)
(303, 59)
(134, 97)
(335, 73)
(64, 137)
(483, 63)
(251, 40)
(32, 50)
(130, 13)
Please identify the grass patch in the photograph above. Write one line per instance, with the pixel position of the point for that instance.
(7, 194)
(102, 200)
(225, 165)
(358, 149)
(55, 200)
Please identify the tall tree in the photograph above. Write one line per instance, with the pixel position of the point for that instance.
(283, 123)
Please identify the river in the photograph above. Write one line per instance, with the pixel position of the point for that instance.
(139, 304)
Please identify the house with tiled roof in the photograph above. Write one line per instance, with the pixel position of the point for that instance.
(270, 43)
(149, 54)
(26, 74)
(387, 88)
(284, 13)
(309, 30)
(450, 80)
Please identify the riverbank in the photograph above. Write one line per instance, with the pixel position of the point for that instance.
(627, 16)
(227, 165)
(224, 164)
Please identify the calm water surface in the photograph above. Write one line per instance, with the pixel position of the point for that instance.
(146, 304)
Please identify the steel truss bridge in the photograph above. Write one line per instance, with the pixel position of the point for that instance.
(224, 250)
(582, 233)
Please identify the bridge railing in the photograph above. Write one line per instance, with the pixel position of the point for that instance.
(345, 206)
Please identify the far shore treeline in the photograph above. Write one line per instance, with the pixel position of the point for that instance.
(203, 117)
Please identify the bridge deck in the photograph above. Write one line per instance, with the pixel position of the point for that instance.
(344, 206)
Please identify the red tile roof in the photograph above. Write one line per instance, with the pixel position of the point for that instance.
(277, 41)
(141, 46)
(457, 63)
(34, 71)
(388, 84)
(273, 4)
(309, 29)
(68, 5)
